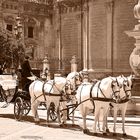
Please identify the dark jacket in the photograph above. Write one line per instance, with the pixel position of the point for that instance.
(1, 71)
(25, 69)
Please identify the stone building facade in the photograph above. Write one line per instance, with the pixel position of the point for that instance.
(92, 30)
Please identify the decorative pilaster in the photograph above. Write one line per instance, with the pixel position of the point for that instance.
(109, 9)
(90, 67)
(85, 35)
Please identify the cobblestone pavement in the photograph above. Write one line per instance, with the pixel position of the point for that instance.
(10, 129)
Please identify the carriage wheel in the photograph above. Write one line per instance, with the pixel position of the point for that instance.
(18, 108)
(52, 112)
(26, 107)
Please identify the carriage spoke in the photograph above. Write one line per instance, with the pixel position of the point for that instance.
(18, 108)
(52, 112)
(26, 107)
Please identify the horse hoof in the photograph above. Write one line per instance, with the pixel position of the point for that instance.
(124, 134)
(95, 134)
(48, 125)
(36, 122)
(104, 134)
(68, 118)
(107, 130)
(85, 131)
(63, 125)
(114, 134)
(73, 124)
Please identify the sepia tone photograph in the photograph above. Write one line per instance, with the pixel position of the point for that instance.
(70, 69)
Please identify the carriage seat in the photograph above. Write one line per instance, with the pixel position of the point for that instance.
(23, 93)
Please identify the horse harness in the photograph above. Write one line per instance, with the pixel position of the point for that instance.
(49, 93)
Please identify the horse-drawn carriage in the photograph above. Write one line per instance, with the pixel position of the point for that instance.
(10, 93)
(89, 96)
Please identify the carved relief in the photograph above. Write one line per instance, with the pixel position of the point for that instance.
(31, 21)
(109, 5)
(78, 17)
(9, 19)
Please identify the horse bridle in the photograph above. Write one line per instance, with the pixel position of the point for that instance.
(124, 87)
(112, 85)
(75, 78)
(114, 92)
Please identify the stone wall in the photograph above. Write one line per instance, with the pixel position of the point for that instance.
(98, 35)
(122, 44)
(108, 47)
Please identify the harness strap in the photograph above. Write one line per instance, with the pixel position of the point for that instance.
(100, 90)
(43, 90)
(91, 90)
(81, 92)
(52, 94)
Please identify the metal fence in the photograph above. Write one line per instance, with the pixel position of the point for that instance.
(56, 66)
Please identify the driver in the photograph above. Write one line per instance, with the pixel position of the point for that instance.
(25, 73)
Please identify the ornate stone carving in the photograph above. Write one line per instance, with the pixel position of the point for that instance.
(9, 19)
(134, 59)
(31, 21)
(109, 5)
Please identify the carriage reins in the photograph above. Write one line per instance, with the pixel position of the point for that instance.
(104, 98)
(97, 98)
(49, 93)
(36, 97)
(91, 98)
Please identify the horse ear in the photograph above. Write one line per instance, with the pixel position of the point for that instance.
(130, 77)
(122, 76)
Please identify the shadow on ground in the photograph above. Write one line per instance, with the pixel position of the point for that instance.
(24, 118)
(55, 125)
(117, 136)
(42, 122)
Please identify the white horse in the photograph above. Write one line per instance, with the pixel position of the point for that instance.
(125, 95)
(96, 97)
(75, 79)
(50, 91)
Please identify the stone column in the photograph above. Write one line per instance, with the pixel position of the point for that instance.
(73, 64)
(109, 9)
(85, 36)
(134, 61)
(90, 67)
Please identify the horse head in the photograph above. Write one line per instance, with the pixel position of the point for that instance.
(115, 86)
(75, 79)
(68, 88)
(127, 86)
